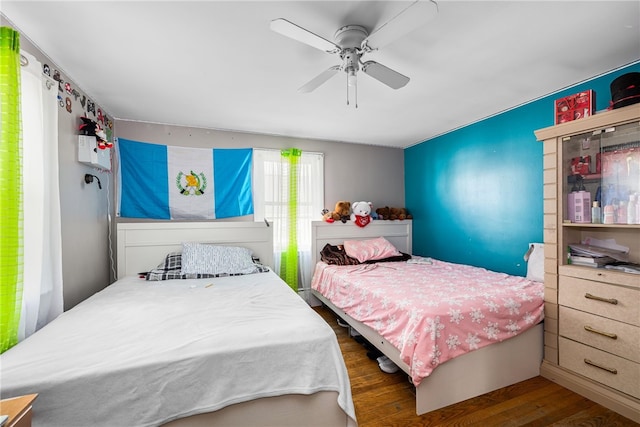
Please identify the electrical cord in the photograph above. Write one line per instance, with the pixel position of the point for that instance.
(109, 229)
(88, 179)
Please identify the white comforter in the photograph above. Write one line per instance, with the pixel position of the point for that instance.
(144, 353)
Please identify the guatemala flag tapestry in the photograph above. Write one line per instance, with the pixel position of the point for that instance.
(165, 182)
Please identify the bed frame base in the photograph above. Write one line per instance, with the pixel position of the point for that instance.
(470, 375)
(291, 410)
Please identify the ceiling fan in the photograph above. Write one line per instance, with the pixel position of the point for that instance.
(354, 41)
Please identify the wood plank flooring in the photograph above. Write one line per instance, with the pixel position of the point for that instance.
(388, 400)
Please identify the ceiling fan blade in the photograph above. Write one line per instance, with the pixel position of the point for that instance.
(413, 16)
(385, 75)
(319, 79)
(298, 33)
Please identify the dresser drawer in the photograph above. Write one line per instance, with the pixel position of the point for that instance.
(601, 275)
(609, 335)
(614, 302)
(613, 371)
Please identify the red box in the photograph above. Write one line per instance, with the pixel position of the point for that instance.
(580, 165)
(575, 106)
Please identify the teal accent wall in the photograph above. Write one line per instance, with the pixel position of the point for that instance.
(476, 193)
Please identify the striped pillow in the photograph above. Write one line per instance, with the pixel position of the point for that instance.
(198, 258)
(171, 269)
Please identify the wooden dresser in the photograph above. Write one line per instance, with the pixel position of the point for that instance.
(18, 409)
(592, 315)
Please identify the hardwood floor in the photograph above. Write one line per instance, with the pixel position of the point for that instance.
(388, 400)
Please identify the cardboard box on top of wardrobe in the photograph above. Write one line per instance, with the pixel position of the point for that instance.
(575, 106)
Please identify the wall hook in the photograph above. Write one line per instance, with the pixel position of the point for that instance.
(88, 179)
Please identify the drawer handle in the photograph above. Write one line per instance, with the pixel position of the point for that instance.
(595, 331)
(604, 368)
(597, 298)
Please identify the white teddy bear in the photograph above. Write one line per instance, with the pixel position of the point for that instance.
(361, 213)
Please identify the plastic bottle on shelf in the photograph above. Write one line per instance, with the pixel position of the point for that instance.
(632, 210)
(621, 217)
(608, 214)
(596, 215)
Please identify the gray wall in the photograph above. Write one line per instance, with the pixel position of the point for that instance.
(352, 172)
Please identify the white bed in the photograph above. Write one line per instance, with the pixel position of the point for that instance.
(461, 378)
(228, 351)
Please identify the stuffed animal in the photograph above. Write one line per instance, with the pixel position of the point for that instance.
(91, 128)
(340, 213)
(383, 213)
(404, 212)
(399, 213)
(361, 213)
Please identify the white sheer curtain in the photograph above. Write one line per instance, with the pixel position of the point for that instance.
(42, 292)
(270, 179)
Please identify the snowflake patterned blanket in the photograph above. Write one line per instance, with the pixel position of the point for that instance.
(431, 310)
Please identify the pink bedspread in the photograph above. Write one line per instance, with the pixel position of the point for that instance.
(433, 312)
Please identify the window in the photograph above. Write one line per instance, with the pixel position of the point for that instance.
(283, 204)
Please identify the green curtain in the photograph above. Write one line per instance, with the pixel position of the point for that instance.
(11, 248)
(289, 260)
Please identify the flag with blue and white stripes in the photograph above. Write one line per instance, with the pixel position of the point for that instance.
(167, 182)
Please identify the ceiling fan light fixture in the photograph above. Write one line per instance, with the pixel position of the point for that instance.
(350, 58)
(352, 78)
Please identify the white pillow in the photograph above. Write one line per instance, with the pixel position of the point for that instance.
(372, 249)
(198, 258)
(535, 262)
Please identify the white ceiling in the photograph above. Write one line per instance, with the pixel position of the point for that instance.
(216, 64)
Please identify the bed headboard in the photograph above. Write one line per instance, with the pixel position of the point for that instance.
(397, 232)
(142, 246)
